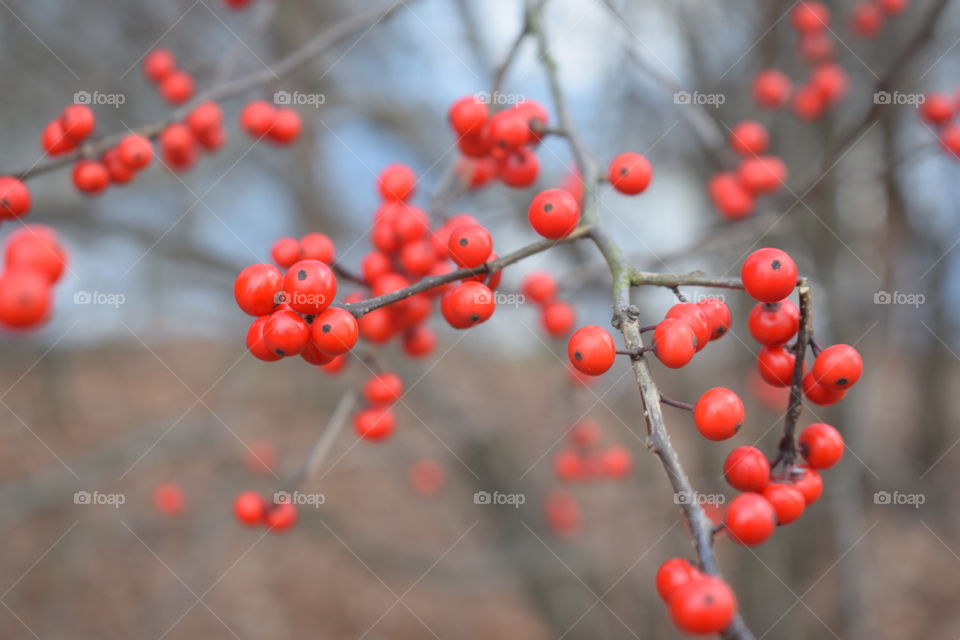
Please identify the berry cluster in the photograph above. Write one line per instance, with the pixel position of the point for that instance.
(938, 110)
(261, 120)
(68, 130)
(34, 261)
(699, 603)
(734, 193)
(251, 509)
(556, 317)
(381, 391)
(175, 85)
(583, 459)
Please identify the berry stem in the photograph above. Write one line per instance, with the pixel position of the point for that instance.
(788, 446)
(324, 443)
(675, 403)
(635, 353)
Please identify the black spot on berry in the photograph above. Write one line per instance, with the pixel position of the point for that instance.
(474, 317)
(736, 429)
(326, 328)
(548, 207)
(721, 331)
(578, 356)
(842, 381)
(624, 171)
(775, 265)
(302, 274)
(279, 352)
(463, 242)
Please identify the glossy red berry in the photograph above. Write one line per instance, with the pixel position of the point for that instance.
(25, 298)
(309, 286)
(255, 343)
(177, 87)
(120, 172)
(286, 126)
(78, 122)
(53, 141)
(14, 198)
(177, 141)
(136, 151)
(718, 414)
(749, 138)
(286, 333)
(281, 517)
(750, 519)
(397, 182)
(313, 355)
(318, 246)
(539, 286)
(693, 314)
(704, 605)
(554, 213)
(375, 423)
(509, 130)
(468, 304)
(809, 15)
(334, 331)
(519, 168)
(419, 341)
(36, 248)
(256, 288)
(937, 108)
(468, 115)
(819, 394)
(158, 64)
(286, 251)
(470, 245)
(867, 19)
(568, 465)
(718, 316)
(558, 319)
(821, 445)
(90, 176)
(673, 574)
(808, 482)
(257, 118)
(730, 197)
(838, 367)
(205, 118)
(591, 350)
(774, 323)
(769, 275)
(775, 365)
(383, 389)
(787, 501)
(249, 508)
(630, 173)
(747, 469)
(674, 342)
(771, 89)
(762, 174)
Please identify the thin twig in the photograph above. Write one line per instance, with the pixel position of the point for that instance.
(323, 444)
(788, 446)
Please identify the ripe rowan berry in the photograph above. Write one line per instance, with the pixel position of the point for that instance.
(409, 223)
(674, 342)
(554, 213)
(539, 286)
(519, 168)
(776, 365)
(787, 501)
(936, 108)
(397, 182)
(35, 247)
(509, 130)
(591, 350)
(14, 198)
(257, 118)
(718, 414)
(821, 445)
(374, 423)
(568, 465)
(718, 316)
(867, 19)
(693, 315)
(136, 151)
(178, 141)
(809, 15)
(158, 64)
(747, 469)
(312, 354)
(730, 197)
(318, 246)
(616, 462)
(838, 367)
(383, 388)
(771, 89)
(558, 318)
(749, 138)
(78, 122)
(377, 326)
(673, 574)
(769, 275)
(177, 87)
(468, 115)
(704, 604)
(309, 286)
(54, 141)
(774, 323)
(418, 257)
(90, 177)
(808, 482)
(419, 341)
(374, 265)
(286, 333)
(467, 304)
(255, 343)
(205, 118)
(249, 508)
(25, 298)
(256, 288)
(630, 173)
(819, 394)
(286, 126)
(470, 245)
(334, 331)
(750, 519)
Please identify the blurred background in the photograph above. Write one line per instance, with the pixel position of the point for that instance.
(155, 387)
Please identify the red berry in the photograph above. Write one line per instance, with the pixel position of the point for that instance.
(630, 173)
(808, 482)
(563, 513)
(255, 343)
(257, 118)
(35, 247)
(90, 176)
(558, 319)
(718, 414)
(674, 342)
(286, 251)
(774, 323)
(704, 605)
(762, 174)
(249, 508)
(539, 286)
(867, 19)
(53, 141)
(747, 469)
(14, 198)
(467, 304)
(468, 115)
(820, 394)
(809, 15)
(418, 257)
(830, 81)
(206, 118)
(718, 316)
(808, 104)
(591, 350)
(375, 423)
(78, 122)
(616, 462)
(750, 519)
(286, 333)
(775, 365)
(673, 574)
(177, 141)
(313, 355)
(936, 108)
(769, 275)
(771, 89)
(838, 367)
(317, 246)
(397, 182)
(25, 298)
(568, 465)
(893, 6)
(256, 288)
(470, 245)
(554, 213)
(419, 341)
(120, 172)
(158, 64)
(476, 172)
(787, 501)
(535, 116)
(694, 316)
(281, 517)
(821, 445)
(334, 331)
(309, 286)
(136, 151)
(730, 197)
(177, 87)
(286, 126)
(509, 130)
(383, 389)
(520, 168)
(950, 139)
(749, 138)
(585, 433)
(168, 499)
(378, 326)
